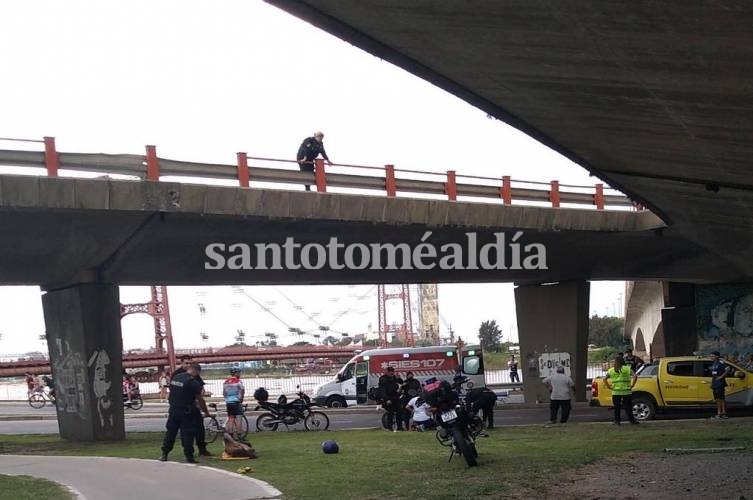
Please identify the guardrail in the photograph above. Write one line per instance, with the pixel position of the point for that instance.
(151, 167)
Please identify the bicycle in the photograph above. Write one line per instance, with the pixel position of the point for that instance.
(40, 398)
(213, 428)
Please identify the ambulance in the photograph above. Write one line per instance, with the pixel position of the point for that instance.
(352, 383)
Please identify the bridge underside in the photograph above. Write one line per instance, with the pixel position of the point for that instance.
(653, 97)
(59, 232)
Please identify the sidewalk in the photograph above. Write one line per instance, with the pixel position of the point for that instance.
(98, 478)
(159, 410)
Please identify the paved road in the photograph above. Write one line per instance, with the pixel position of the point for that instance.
(19, 418)
(114, 478)
(152, 418)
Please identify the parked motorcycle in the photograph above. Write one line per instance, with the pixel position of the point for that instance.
(288, 414)
(457, 427)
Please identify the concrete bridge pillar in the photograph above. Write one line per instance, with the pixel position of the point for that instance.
(553, 330)
(83, 337)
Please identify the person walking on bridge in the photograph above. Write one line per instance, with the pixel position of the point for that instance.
(620, 380)
(310, 149)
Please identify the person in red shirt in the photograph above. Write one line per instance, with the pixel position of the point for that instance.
(233, 391)
(31, 383)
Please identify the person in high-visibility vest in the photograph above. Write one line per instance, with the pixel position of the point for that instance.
(621, 380)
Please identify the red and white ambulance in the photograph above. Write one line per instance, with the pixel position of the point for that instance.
(352, 383)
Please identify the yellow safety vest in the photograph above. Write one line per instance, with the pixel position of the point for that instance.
(621, 380)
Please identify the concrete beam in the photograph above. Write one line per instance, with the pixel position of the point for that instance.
(85, 345)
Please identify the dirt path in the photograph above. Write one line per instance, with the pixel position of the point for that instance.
(725, 475)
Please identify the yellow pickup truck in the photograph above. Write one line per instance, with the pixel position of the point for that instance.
(678, 383)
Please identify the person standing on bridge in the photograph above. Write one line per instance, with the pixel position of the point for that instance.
(310, 149)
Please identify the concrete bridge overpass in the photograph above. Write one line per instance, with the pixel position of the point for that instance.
(63, 231)
(654, 98)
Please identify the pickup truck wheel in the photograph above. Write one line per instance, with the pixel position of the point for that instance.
(643, 408)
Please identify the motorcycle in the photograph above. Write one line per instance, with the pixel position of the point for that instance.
(288, 414)
(457, 426)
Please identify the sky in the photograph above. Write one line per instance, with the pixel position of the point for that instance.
(203, 80)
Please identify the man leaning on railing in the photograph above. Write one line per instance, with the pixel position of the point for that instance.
(310, 149)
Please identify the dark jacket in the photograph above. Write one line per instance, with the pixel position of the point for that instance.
(310, 149)
(389, 387)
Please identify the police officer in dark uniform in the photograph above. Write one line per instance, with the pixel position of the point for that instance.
(410, 389)
(389, 386)
(182, 415)
(200, 432)
(310, 149)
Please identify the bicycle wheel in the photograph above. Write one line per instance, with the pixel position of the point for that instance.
(316, 421)
(266, 422)
(241, 426)
(36, 401)
(137, 403)
(212, 429)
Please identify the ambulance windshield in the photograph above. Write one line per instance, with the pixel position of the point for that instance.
(346, 372)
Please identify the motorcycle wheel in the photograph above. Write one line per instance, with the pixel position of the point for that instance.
(316, 421)
(464, 446)
(386, 422)
(266, 422)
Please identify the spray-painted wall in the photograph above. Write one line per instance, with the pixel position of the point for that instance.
(724, 319)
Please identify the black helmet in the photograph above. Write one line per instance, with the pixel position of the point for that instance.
(261, 395)
(234, 371)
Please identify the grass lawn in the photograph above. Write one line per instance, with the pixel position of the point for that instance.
(378, 464)
(31, 488)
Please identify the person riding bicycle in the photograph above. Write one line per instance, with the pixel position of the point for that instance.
(30, 383)
(233, 391)
(49, 382)
(129, 386)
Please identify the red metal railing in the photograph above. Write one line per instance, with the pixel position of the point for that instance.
(151, 167)
(208, 355)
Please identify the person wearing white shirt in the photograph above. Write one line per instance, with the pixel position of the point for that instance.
(421, 417)
(561, 388)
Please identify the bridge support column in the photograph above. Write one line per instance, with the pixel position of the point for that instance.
(553, 329)
(83, 337)
(679, 319)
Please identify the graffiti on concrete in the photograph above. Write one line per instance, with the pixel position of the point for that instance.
(70, 379)
(725, 319)
(549, 361)
(101, 386)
